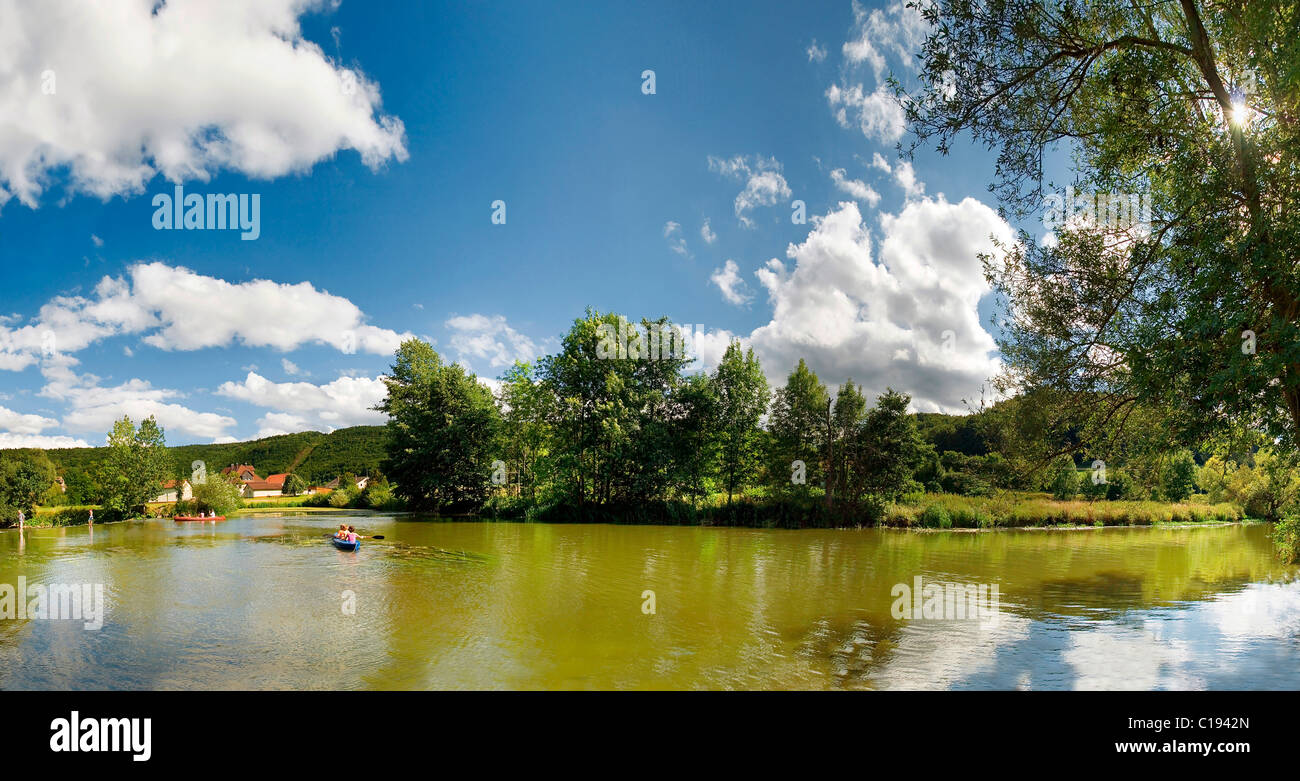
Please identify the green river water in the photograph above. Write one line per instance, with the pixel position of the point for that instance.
(264, 602)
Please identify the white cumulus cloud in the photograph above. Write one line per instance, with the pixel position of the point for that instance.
(764, 183)
(902, 314)
(108, 95)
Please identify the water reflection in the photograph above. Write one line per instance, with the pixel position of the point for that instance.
(261, 602)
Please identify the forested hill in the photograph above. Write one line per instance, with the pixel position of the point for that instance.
(313, 456)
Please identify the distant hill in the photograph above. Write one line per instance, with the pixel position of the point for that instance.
(313, 456)
(951, 432)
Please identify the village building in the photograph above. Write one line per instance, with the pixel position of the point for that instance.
(170, 492)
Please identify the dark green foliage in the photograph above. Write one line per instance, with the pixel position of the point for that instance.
(25, 476)
(1178, 479)
(443, 425)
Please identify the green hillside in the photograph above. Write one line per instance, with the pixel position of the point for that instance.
(316, 457)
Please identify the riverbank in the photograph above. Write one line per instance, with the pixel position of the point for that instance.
(934, 512)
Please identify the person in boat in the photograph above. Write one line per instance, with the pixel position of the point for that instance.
(342, 533)
(352, 535)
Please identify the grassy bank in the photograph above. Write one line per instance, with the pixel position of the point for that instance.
(1019, 510)
(932, 511)
(1008, 510)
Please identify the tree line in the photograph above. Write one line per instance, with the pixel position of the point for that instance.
(582, 436)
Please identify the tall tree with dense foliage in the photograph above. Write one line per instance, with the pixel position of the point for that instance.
(742, 395)
(443, 425)
(886, 449)
(136, 466)
(24, 478)
(1192, 103)
(526, 411)
(293, 485)
(1178, 478)
(618, 404)
(797, 422)
(843, 424)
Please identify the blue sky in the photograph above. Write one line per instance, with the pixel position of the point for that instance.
(377, 141)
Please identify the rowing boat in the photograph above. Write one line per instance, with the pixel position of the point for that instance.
(345, 545)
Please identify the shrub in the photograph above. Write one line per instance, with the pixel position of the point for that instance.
(1286, 537)
(1065, 479)
(935, 516)
(217, 496)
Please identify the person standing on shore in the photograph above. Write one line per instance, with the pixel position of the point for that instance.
(21, 519)
(91, 521)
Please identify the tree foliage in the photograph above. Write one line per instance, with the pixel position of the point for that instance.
(137, 465)
(1192, 103)
(443, 426)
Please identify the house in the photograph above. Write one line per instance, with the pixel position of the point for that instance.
(245, 472)
(271, 486)
(259, 489)
(337, 483)
(169, 491)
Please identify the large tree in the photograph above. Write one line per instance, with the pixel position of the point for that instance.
(742, 401)
(25, 476)
(798, 423)
(1195, 103)
(619, 410)
(443, 426)
(137, 464)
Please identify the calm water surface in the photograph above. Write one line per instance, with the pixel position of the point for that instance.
(258, 602)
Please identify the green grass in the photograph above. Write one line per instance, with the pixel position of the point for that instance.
(1018, 510)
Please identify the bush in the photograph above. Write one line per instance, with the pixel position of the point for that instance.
(935, 516)
(215, 496)
(1286, 537)
(1179, 477)
(1064, 479)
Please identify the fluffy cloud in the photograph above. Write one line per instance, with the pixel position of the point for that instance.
(17, 423)
(299, 406)
(815, 52)
(729, 282)
(904, 315)
(877, 114)
(94, 408)
(854, 187)
(80, 86)
(8, 440)
(706, 233)
(676, 242)
(491, 338)
(898, 31)
(22, 430)
(878, 36)
(178, 309)
(906, 178)
(764, 183)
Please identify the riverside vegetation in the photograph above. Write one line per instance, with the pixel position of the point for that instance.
(578, 437)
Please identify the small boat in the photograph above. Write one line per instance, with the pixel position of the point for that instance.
(345, 545)
(194, 518)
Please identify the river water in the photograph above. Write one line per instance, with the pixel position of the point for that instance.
(264, 602)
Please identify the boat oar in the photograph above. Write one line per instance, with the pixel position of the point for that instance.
(371, 537)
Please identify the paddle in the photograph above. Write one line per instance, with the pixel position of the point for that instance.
(372, 537)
